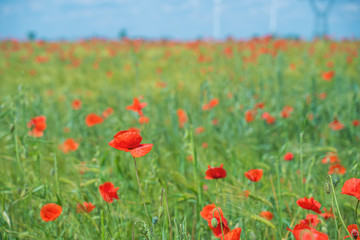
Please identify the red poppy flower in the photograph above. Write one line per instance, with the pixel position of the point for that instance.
(212, 103)
(327, 76)
(69, 145)
(311, 219)
(215, 172)
(309, 204)
(137, 106)
(267, 215)
(38, 125)
(208, 213)
(129, 141)
(254, 174)
(199, 130)
(331, 157)
(269, 118)
(337, 169)
(353, 230)
(250, 115)
(85, 207)
(204, 145)
(76, 104)
(108, 192)
(50, 212)
(305, 232)
(327, 213)
(93, 119)
(260, 105)
(322, 96)
(288, 156)
(356, 123)
(336, 125)
(215, 121)
(286, 112)
(182, 117)
(233, 234)
(352, 187)
(143, 120)
(107, 112)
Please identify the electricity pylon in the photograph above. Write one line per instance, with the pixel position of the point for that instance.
(321, 26)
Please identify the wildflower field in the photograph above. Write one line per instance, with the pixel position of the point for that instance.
(202, 140)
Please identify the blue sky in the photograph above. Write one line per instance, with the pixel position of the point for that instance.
(176, 19)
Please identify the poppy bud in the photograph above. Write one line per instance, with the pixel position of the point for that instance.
(155, 220)
(327, 187)
(160, 211)
(336, 180)
(214, 222)
(324, 229)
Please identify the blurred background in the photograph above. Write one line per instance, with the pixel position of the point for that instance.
(178, 19)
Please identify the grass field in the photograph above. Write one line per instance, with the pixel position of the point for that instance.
(241, 104)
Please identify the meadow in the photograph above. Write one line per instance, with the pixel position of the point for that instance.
(251, 126)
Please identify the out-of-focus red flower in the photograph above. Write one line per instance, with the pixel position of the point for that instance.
(137, 106)
(254, 175)
(337, 169)
(288, 156)
(327, 76)
(143, 120)
(69, 145)
(286, 112)
(76, 104)
(336, 125)
(129, 141)
(212, 103)
(161, 84)
(199, 130)
(351, 187)
(204, 145)
(108, 191)
(133, 129)
(50, 212)
(305, 232)
(353, 230)
(85, 207)
(292, 66)
(259, 105)
(215, 121)
(311, 219)
(356, 123)
(93, 119)
(38, 125)
(211, 211)
(322, 96)
(182, 117)
(107, 112)
(309, 204)
(327, 213)
(215, 172)
(268, 118)
(250, 115)
(267, 215)
(330, 157)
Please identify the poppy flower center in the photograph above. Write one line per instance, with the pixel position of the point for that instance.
(355, 233)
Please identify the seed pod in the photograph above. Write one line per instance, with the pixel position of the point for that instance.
(214, 222)
(160, 211)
